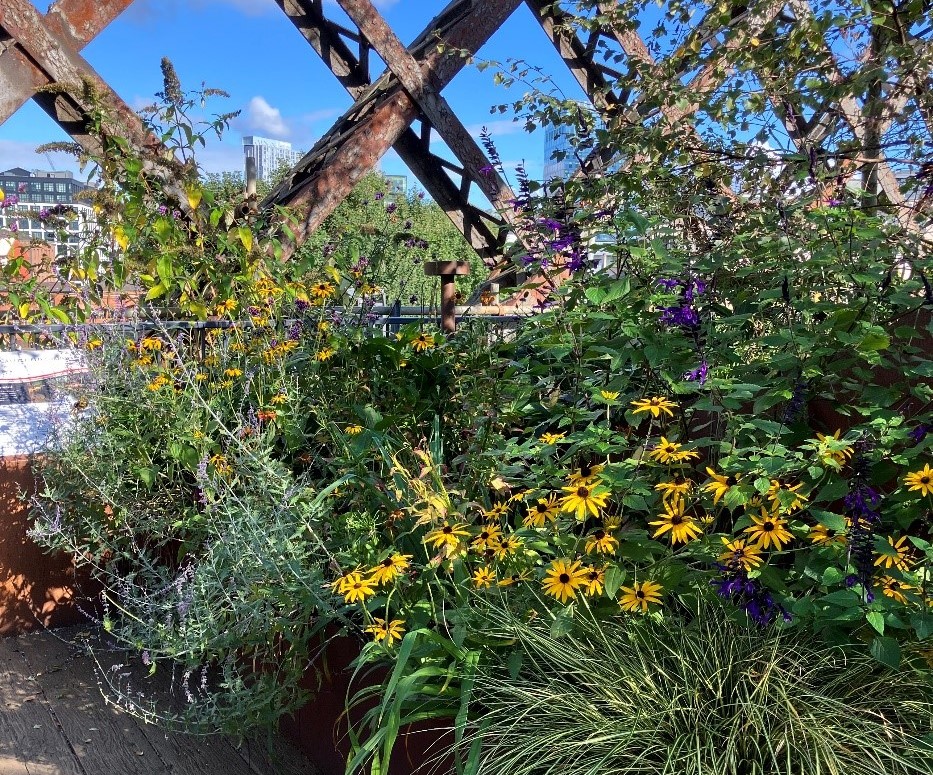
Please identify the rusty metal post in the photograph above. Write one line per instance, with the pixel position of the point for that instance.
(447, 271)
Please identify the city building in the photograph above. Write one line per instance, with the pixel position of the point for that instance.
(32, 197)
(270, 155)
(560, 140)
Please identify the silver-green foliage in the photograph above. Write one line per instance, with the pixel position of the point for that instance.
(702, 695)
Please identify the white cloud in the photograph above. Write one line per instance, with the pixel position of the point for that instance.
(262, 118)
(497, 128)
(14, 153)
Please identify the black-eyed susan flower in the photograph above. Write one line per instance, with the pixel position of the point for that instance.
(601, 542)
(545, 510)
(423, 342)
(551, 438)
(769, 530)
(582, 499)
(895, 589)
(609, 395)
(901, 557)
(832, 451)
(325, 354)
(678, 487)
(483, 577)
(585, 475)
(356, 588)
(487, 538)
(388, 632)
(507, 546)
(671, 452)
(233, 373)
(719, 484)
(595, 581)
(220, 465)
(151, 343)
(496, 511)
(921, 480)
(158, 383)
(278, 399)
(353, 430)
(777, 502)
(639, 597)
(657, 406)
(740, 554)
(680, 526)
(820, 535)
(322, 290)
(390, 568)
(563, 579)
(447, 536)
(515, 578)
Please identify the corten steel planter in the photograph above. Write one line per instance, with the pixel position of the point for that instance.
(36, 589)
(320, 728)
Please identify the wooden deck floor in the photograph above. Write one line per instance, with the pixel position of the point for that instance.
(54, 721)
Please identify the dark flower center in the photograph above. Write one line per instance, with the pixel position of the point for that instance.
(542, 507)
(484, 536)
(730, 481)
(594, 575)
(447, 530)
(924, 480)
(585, 471)
(768, 526)
(583, 492)
(670, 449)
(640, 595)
(599, 535)
(563, 578)
(387, 562)
(895, 585)
(677, 519)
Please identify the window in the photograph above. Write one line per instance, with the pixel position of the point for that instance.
(49, 186)
(62, 188)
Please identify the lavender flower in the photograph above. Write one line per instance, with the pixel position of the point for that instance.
(758, 602)
(379, 195)
(391, 207)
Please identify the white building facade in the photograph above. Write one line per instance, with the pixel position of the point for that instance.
(269, 154)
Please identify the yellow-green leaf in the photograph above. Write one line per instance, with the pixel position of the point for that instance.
(246, 237)
(194, 197)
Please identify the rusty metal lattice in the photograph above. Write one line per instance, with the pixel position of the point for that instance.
(404, 108)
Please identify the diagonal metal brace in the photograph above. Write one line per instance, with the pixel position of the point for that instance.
(74, 23)
(384, 111)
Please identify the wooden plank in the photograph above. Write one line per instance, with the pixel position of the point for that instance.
(104, 739)
(31, 742)
(108, 740)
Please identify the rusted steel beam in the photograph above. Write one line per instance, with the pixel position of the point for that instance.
(75, 23)
(476, 166)
(384, 111)
(482, 231)
(578, 56)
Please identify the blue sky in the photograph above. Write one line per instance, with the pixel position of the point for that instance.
(250, 49)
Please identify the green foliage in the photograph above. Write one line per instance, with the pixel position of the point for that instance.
(698, 694)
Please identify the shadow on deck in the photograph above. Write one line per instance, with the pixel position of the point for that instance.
(54, 721)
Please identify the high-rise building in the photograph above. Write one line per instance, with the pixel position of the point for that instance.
(31, 197)
(560, 159)
(270, 155)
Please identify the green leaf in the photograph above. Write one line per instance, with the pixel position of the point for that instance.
(246, 237)
(165, 270)
(515, 664)
(563, 623)
(876, 620)
(923, 624)
(614, 578)
(887, 651)
(156, 291)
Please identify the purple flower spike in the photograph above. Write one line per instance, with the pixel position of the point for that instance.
(668, 284)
